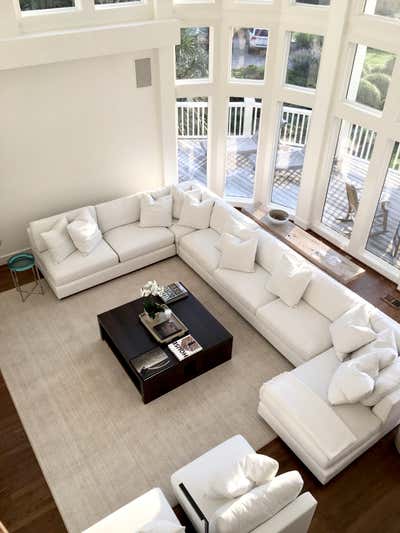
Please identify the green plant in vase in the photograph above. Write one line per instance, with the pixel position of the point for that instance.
(150, 292)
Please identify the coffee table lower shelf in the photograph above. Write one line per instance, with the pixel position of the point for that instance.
(176, 375)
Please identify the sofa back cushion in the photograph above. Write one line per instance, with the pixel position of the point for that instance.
(329, 297)
(269, 251)
(221, 214)
(46, 224)
(244, 514)
(118, 212)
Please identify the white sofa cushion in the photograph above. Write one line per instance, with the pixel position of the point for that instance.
(259, 468)
(161, 526)
(386, 382)
(243, 232)
(151, 506)
(58, 241)
(84, 232)
(195, 214)
(179, 195)
(317, 374)
(385, 347)
(381, 322)
(351, 331)
(45, 224)
(259, 505)
(248, 288)
(155, 213)
(77, 266)
(200, 245)
(289, 279)
(132, 240)
(229, 482)
(329, 297)
(303, 329)
(354, 380)
(180, 231)
(236, 254)
(221, 214)
(270, 251)
(118, 212)
(197, 475)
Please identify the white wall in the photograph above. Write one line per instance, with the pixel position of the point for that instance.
(71, 134)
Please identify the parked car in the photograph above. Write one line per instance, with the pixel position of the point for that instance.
(258, 39)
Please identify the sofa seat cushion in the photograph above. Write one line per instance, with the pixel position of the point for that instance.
(302, 328)
(317, 375)
(198, 475)
(180, 231)
(200, 245)
(248, 288)
(136, 514)
(77, 265)
(132, 241)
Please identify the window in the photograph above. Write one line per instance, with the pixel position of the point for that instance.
(349, 169)
(32, 5)
(244, 115)
(384, 8)
(303, 61)
(384, 236)
(192, 54)
(370, 77)
(103, 2)
(314, 2)
(249, 50)
(192, 129)
(293, 133)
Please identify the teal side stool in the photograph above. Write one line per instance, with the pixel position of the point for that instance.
(20, 263)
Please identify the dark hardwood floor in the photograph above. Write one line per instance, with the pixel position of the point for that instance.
(365, 498)
(26, 503)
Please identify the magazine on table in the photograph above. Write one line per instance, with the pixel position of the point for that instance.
(151, 363)
(184, 347)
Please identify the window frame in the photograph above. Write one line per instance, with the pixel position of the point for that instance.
(199, 81)
(246, 81)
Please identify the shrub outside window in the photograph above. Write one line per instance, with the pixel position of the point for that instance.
(303, 60)
(192, 54)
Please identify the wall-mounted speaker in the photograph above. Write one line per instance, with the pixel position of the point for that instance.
(143, 72)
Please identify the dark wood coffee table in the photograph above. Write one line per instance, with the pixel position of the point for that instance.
(128, 338)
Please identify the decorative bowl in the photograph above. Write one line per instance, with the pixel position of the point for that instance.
(278, 216)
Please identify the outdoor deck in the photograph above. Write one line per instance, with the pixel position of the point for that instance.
(192, 156)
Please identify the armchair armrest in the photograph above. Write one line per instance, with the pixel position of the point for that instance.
(195, 507)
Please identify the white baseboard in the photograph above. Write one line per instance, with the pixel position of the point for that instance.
(5, 258)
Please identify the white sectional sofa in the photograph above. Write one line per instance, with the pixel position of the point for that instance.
(301, 333)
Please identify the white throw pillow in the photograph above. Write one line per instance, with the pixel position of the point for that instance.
(229, 483)
(155, 213)
(196, 214)
(353, 380)
(178, 197)
(387, 381)
(85, 232)
(161, 526)
(351, 331)
(259, 505)
(384, 345)
(243, 232)
(58, 241)
(259, 468)
(289, 279)
(236, 254)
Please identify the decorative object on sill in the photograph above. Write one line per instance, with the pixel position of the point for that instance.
(155, 312)
(278, 216)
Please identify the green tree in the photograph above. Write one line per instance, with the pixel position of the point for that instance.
(369, 95)
(191, 55)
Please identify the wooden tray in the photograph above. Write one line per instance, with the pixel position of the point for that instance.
(150, 327)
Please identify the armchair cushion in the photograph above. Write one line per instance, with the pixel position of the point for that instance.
(259, 505)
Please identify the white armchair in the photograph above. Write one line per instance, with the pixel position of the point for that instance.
(190, 484)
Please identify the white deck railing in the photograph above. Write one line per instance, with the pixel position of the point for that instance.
(244, 121)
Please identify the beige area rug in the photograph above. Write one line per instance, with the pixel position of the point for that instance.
(98, 445)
